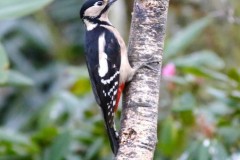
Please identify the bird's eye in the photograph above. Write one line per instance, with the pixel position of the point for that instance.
(99, 3)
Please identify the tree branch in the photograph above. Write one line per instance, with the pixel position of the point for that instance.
(138, 135)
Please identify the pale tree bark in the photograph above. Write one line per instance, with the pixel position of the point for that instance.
(138, 135)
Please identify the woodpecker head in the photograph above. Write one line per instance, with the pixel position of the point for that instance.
(95, 9)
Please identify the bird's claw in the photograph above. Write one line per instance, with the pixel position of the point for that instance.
(150, 61)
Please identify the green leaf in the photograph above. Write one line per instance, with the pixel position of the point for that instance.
(206, 149)
(220, 152)
(184, 108)
(46, 118)
(191, 152)
(234, 74)
(58, 109)
(178, 80)
(215, 75)
(185, 102)
(60, 147)
(69, 101)
(13, 137)
(229, 134)
(200, 59)
(93, 149)
(17, 8)
(4, 63)
(16, 141)
(11, 77)
(168, 137)
(81, 86)
(219, 108)
(203, 151)
(205, 72)
(217, 93)
(45, 135)
(185, 37)
(3, 77)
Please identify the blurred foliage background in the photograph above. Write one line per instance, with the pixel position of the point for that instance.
(48, 112)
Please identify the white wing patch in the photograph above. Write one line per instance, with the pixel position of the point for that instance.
(103, 65)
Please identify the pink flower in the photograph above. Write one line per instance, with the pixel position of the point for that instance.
(169, 70)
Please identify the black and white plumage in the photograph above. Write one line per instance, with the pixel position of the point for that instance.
(107, 61)
(103, 64)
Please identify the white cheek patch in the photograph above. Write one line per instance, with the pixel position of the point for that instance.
(92, 11)
(103, 64)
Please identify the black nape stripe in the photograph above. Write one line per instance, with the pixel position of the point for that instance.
(103, 11)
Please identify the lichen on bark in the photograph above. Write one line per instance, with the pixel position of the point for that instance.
(138, 135)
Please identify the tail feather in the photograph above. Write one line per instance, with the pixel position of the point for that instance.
(113, 138)
(112, 133)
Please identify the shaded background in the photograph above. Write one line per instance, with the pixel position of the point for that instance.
(48, 112)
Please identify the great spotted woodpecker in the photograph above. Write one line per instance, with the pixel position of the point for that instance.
(107, 61)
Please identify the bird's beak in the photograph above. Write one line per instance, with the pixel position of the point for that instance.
(110, 2)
